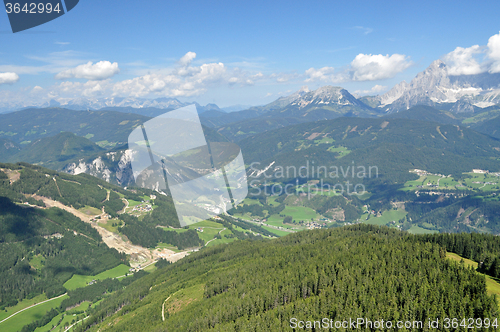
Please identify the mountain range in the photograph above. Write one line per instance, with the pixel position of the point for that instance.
(100, 147)
(434, 86)
(461, 96)
(116, 104)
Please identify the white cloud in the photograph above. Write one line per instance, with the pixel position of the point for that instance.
(177, 81)
(374, 90)
(99, 71)
(463, 61)
(494, 53)
(475, 59)
(180, 82)
(325, 74)
(187, 59)
(8, 78)
(368, 67)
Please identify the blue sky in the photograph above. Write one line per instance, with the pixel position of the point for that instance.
(234, 52)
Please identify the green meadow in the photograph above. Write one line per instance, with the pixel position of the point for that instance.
(78, 280)
(492, 285)
(386, 217)
(276, 231)
(17, 322)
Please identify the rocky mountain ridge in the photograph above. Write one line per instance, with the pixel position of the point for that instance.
(434, 85)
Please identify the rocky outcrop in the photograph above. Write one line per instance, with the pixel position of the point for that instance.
(114, 167)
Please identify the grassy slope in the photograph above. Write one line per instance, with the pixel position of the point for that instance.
(387, 216)
(492, 285)
(18, 321)
(69, 316)
(21, 305)
(78, 281)
(276, 231)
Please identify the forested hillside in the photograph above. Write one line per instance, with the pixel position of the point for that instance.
(104, 127)
(357, 271)
(394, 146)
(42, 249)
(56, 151)
(8, 148)
(427, 113)
(77, 191)
(59, 231)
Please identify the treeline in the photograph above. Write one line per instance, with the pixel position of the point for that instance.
(22, 223)
(46, 318)
(357, 271)
(54, 187)
(229, 222)
(147, 235)
(481, 248)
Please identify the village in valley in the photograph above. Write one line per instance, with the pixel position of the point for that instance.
(478, 179)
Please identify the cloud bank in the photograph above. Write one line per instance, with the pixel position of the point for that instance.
(99, 71)
(325, 74)
(364, 67)
(475, 59)
(368, 67)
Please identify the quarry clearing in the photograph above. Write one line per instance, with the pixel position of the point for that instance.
(139, 256)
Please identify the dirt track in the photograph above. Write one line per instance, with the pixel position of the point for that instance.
(138, 255)
(12, 174)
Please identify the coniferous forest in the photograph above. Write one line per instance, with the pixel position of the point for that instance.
(351, 272)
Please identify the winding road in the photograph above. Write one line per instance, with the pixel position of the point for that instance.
(31, 306)
(222, 230)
